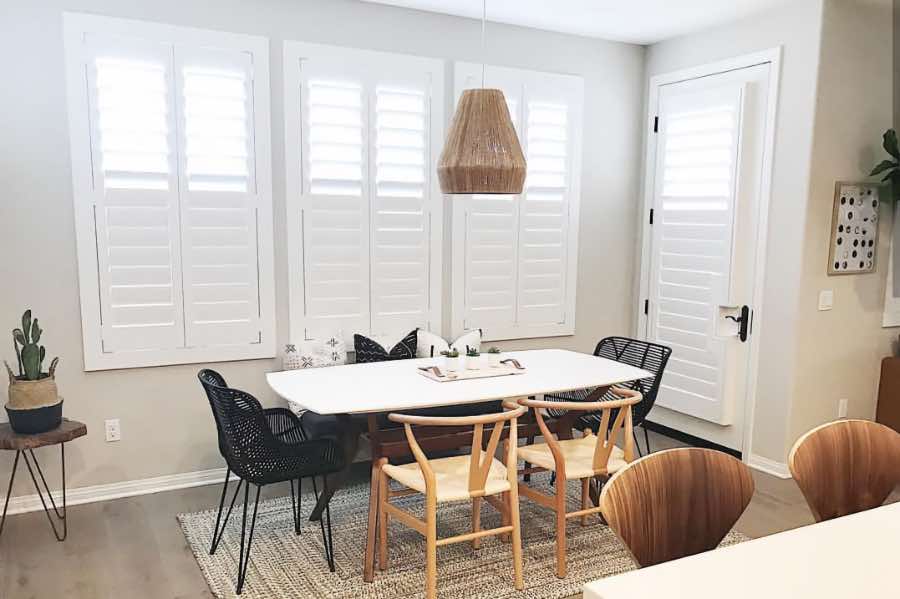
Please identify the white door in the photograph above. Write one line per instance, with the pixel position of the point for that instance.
(706, 185)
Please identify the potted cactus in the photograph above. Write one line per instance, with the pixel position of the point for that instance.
(34, 404)
(494, 357)
(453, 362)
(473, 359)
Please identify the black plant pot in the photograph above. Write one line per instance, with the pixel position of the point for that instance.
(35, 420)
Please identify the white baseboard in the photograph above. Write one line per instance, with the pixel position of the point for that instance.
(768, 466)
(146, 486)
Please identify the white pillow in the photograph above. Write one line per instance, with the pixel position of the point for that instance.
(430, 345)
(317, 353)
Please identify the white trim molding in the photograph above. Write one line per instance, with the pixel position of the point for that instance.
(777, 469)
(146, 486)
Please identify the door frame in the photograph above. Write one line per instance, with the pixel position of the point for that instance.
(772, 57)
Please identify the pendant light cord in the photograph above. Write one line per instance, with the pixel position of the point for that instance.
(483, 22)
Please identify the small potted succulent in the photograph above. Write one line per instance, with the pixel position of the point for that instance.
(473, 359)
(494, 356)
(34, 403)
(453, 362)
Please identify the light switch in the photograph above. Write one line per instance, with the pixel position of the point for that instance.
(826, 300)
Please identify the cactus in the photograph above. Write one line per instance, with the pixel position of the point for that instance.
(29, 354)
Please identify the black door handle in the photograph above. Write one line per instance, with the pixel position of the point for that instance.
(744, 321)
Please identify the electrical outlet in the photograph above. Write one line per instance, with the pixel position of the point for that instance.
(113, 430)
(842, 408)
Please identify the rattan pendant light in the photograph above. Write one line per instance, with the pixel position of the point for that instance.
(482, 153)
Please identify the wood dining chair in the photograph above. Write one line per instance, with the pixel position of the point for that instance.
(476, 477)
(676, 503)
(846, 467)
(584, 458)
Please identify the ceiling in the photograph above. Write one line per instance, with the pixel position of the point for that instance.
(635, 21)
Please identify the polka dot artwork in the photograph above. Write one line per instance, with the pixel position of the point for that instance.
(854, 234)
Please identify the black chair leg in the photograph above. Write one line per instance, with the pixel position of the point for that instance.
(296, 504)
(327, 539)
(219, 531)
(246, 541)
(647, 439)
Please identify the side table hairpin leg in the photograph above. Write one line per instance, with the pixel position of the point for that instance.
(32, 464)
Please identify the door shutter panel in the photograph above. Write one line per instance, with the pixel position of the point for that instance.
(690, 275)
(400, 223)
(335, 200)
(130, 93)
(220, 204)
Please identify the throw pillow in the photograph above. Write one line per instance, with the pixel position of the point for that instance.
(368, 350)
(430, 345)
(315, 353)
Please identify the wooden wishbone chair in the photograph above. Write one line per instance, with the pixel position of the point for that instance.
(581, 459)
(476, 477)
(846, 467)
(676, 503)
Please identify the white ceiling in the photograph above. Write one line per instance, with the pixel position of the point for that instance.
(636, 21)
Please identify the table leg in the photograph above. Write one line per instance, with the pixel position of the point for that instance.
(372, 524)
(12, 479)
(349, 443)
(33, 466)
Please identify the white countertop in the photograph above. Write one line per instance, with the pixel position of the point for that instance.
(392, 386)
(855, 557)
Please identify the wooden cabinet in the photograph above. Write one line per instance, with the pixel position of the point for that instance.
(889, 394)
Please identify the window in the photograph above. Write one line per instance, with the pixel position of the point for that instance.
(172, 188)
(363, 133)
(515, 257)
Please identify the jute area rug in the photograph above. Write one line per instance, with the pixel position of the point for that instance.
(284, 565)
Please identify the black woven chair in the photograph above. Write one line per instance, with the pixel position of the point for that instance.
(263, 447)
(640, 354)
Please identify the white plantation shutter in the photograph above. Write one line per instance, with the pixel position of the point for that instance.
(130, 92)
(699, 141)
(400, 224)
(220, 203)
(544, 215)
(336, 198)
(365, 257)
(173, 223)
(515, 256)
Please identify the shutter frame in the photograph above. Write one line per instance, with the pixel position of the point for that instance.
(371, 69)
(100, 350)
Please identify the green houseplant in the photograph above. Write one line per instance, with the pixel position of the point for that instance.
(34, 403)
(889, 170)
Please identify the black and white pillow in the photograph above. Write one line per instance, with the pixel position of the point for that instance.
(368, 350)
(330, 350)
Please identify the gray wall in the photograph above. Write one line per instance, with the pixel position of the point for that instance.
(166, 425)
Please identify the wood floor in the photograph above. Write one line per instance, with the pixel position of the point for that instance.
(133, 548)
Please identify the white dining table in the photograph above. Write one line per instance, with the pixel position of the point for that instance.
(395, 386)
(854, 557)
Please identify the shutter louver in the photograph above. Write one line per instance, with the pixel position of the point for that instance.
(544, 216)
(335, 207)
(136, 214)
(400, 229)
(219, 203)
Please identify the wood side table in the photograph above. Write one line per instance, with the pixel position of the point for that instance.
(24, 446)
